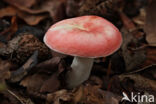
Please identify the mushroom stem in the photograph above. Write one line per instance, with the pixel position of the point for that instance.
(81, 68)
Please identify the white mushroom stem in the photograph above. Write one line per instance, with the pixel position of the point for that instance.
(81, 68)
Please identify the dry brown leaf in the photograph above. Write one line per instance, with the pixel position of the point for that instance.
(9, 32)
(5, 67)
(140, 82)
(132, 59)
(56, 54)
(134, 82)
(31, 19)
(84, 94)
(22, 3)
(149, 62)
(104, 8)
(151, 56)
(50, 85)
(48, 74)
(53, 83)
(55, 8)
(8, 11)
(94, 80)
(94, 95)
(150, 25)
(127, 22)
(140, 19)
(78, 95)
(72, 7)
(34, 82)
(27, 17)
(48, 65)
(59, 95)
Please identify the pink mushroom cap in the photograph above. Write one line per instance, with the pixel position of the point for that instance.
(85, 36)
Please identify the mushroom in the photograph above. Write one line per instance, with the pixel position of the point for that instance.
(85, 38)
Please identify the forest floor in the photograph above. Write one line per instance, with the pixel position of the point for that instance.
(31, 73)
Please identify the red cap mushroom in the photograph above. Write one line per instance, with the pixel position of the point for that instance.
(86, 38)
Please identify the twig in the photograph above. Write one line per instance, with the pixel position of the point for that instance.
(139, 70)
(15, 96)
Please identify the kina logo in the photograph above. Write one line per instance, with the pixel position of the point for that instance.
(138, 98)
(125, 97)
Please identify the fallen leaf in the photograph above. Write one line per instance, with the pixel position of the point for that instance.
(132, 83)
(48, 65)
(22, 3)
(94, 80)
(4, 24)
(78, 95)
(140, 83)
(104, 8)
(133, 59)
(56, 54)
(31, 19)
(127, 22)
(62, 95)
(149, 72)
(131, 8)
(145, 71)
(94, 95)
(55, 8)
(53, 83)
(19, 4)
(72, 7)
(34, 82)
(9, 32)
(130, 26)
(117, 63)
(12, 11)
(150, 24)
(151, 56)
(140, 19)
(5, 67)
(50, 85)
(47, 73)
(8, 11)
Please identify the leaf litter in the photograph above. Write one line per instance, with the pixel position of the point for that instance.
(30, 73)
